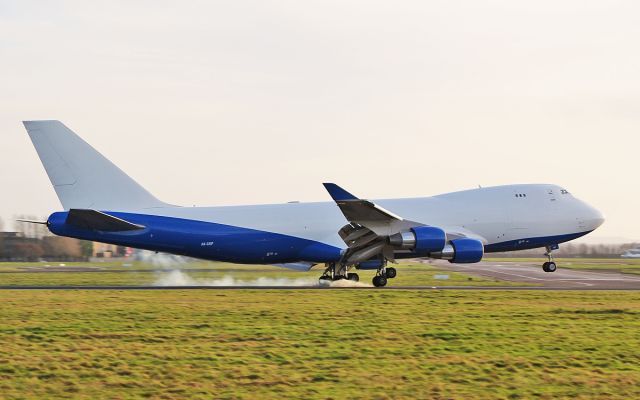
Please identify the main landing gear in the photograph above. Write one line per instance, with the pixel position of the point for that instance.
(549, 266)
(383, 275)
(333, 273)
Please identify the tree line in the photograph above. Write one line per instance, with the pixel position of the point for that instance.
(34, 242)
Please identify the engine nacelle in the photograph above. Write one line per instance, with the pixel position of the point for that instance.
(420, 239)
(463, 251)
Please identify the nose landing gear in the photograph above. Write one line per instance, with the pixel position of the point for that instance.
(550, 266)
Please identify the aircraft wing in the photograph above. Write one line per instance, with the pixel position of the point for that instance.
(375, 233)
(368, 214)
(369, 226)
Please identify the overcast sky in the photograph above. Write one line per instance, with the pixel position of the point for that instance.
(244, 102)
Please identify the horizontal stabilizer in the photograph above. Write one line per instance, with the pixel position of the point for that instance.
(99, 221)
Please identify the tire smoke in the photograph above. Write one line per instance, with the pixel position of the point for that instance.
(179, 278)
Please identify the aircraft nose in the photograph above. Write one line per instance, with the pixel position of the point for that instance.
(593, 218)
(597, 220)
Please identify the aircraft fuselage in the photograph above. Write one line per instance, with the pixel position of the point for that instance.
(504, 218)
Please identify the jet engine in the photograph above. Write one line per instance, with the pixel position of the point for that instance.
(463, 251)
(420, 239)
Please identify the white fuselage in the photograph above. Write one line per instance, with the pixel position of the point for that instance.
(493, 214)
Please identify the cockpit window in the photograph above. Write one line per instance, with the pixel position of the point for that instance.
(564, 191)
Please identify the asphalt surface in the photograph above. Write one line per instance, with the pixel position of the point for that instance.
(563, 278)
(525, 273)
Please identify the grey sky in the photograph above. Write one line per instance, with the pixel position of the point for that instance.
(244, 102)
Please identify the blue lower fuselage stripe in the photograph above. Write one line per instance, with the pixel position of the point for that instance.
(219, 242)
(532, 243)
(204, 240)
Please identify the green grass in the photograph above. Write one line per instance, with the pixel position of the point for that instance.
(142, 274)
(248, 344)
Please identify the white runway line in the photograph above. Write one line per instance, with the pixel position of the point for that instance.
(532, 273)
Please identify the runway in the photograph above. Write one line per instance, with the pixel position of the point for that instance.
(530, 275)
(562, 279)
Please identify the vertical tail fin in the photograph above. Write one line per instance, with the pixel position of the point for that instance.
(81, 176)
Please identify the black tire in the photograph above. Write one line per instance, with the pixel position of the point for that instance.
(391, 272)
(379, 281)
(545, 267)
(339, 277)
(353, 277)
(325, 278)
(551, 267)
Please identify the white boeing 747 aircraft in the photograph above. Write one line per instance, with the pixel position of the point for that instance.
(101, 203)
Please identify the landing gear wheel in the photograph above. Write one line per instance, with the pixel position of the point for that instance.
(551, 267)
(353, 277)
(390, 272)
(339, 277)
(379, 281)
(324, 280)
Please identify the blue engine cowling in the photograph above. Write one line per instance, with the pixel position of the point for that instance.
(421, 240)
(466, 250)
(428, 239)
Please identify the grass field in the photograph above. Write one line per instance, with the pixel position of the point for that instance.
(211, 273)
(320, 344)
